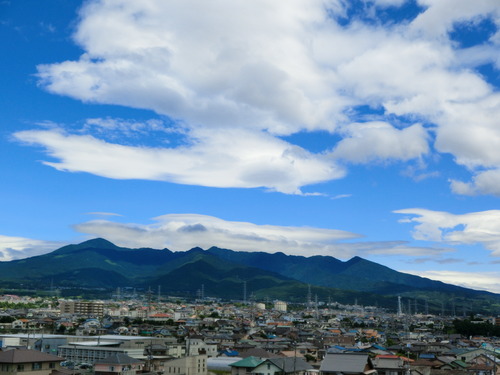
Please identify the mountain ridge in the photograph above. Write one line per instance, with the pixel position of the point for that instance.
(98, 263)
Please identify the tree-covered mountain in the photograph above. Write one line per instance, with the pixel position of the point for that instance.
(226, 274)
(355, 274)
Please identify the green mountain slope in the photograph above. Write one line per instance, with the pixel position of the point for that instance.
(100, 264)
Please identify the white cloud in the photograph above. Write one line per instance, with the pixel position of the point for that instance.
(12, 248)
(180, 232)
(380, 141)
(466, 229)
(441, 15)
(487, 182)
(226, 71)
(252, 71)
(488, 281)
(234, 158)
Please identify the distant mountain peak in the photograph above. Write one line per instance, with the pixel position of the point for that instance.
(197, 248)
(98, 243)
(355, 259)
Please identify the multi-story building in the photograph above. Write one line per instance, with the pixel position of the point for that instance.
(87, 308)
(192, 365)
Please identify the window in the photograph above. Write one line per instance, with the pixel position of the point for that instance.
(36, 366)
(52, 365)
(20, 367)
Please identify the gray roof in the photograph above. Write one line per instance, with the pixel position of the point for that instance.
(118, 359)
(290, 364)
(23, 355)
(353, 363)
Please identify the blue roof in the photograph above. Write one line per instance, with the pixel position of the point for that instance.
(427, 356)
(230, 353)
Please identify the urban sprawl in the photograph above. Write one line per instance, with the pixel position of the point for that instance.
(169, 336)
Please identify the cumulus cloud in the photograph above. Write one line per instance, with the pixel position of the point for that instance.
(381, 141)
(486, 182)
(466, 229)
(487, 281)
(12, 248)
(180, 232)
(441, 16)
(249, 73)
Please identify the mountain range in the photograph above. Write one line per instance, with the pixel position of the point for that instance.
(223, 273)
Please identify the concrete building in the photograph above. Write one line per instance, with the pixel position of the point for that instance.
(87, 308)
(193, 365)
(280, 306)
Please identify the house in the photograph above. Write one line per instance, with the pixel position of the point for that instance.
(22, 361)
(118, 363)
(245, 366)
(282, 366)
(390, 364)
(346, 364)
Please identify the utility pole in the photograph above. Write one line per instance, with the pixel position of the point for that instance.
(245, 292)
(309, 297)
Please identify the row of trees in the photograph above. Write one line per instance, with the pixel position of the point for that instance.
(469, 328)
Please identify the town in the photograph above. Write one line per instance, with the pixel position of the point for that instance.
(167, 335)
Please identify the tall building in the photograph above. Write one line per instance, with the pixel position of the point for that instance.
(88, 308)
(280, 306)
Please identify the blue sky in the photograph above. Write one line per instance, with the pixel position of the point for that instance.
(328, 127)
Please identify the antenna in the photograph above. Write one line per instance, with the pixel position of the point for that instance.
(149, 302)
(309, 296)
(400, 308)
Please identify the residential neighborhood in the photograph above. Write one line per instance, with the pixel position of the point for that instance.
(52, 336)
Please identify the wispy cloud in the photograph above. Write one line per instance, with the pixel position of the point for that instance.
(233, 158)
(341, 196)
(489, 281)
(12, 248)
(467, 229)
(436, 260)
(102, 214)
(180, 232)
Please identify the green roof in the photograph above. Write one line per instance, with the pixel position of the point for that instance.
(459, 363)
(248, 362)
